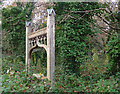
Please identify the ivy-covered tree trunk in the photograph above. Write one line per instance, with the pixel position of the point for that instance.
(74, 21)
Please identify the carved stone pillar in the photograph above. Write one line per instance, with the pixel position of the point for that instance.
(28, 30)
(50, 44)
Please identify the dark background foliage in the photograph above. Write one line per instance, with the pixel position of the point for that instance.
(82, 64)
(13, 25)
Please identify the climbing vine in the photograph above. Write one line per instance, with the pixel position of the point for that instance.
(13, 25)
(74, 21)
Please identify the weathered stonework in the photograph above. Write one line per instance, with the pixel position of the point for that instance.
(42, 37)
(39, 15)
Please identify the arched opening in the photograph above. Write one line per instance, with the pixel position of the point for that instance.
(37, 40)
(38, 60)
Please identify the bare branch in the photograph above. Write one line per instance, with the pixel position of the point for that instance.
(65, 17)
(108, 23)
(87, 11)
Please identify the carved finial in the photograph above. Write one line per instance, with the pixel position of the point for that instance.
(50, 11)
(28, 23)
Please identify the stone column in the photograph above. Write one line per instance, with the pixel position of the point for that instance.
(50, 44)
(28, 30)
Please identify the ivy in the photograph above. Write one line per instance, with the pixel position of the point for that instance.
(13, 25)
(72, 36)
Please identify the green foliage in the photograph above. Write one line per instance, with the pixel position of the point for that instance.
(112, 46)
(97, 66)
(39, 61)
(72, 36)
(84, 83)
(113, 49)
(17, 80)
(72, 46)
(107, 85)
(20, 81)
(13, 25)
